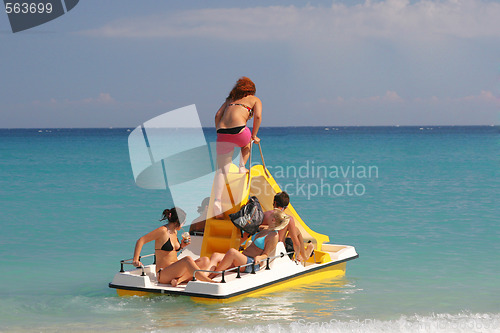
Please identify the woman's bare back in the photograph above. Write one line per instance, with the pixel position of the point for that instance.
(237, 115)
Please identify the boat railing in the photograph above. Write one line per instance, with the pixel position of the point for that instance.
(130, 262)
(238, 268)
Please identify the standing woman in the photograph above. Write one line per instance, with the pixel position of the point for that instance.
(169, 268)
(230, 121)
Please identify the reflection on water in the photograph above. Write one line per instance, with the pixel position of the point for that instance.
(320, 302)
(88, 310)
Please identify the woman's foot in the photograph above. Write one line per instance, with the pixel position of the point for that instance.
(218, 210)
(204, 278)
(243, 169)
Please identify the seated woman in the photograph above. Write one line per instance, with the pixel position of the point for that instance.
(169, 268)
(264, 242)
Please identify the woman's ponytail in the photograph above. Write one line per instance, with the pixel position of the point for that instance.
(174, 215)
(166, 215)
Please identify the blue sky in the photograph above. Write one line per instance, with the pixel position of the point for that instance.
(118, 63)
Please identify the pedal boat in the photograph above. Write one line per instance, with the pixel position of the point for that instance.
(278, 272)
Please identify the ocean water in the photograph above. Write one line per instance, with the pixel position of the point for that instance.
(420, 204)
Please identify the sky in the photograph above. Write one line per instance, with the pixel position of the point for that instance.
(119, 63)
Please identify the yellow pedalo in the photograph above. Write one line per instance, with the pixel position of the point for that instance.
(278, 273)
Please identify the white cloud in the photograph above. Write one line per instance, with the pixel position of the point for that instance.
(483, 97)
(377, 62)
(102, 99)
(392, 109)
(393, 19)
(250, 23)
(392, 97)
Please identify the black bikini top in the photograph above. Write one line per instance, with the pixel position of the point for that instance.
(167, 246)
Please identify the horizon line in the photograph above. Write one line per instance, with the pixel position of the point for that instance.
(262, 127)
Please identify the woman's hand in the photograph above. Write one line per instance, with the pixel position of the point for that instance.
(259, 258)
(256, 139)
(185, 242)
(137, 263)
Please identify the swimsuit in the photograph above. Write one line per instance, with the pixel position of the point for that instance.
(168, 245)
(232, 130)
(260, 242)
(229, 138)
(227, 142)
(250, 110)
(248, 269)
(165, 247)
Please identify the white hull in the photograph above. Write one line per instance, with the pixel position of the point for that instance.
(283, 271)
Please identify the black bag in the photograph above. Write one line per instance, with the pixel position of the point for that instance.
(249, 217)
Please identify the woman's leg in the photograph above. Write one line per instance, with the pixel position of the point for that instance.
(223, 164)
(178, 269)
(308, 250)
(232, 258)
(245, 154)
(215, 259)
(202, 263)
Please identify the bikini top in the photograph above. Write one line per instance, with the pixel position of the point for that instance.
(250, 110)
(167, 246)
(261, 241)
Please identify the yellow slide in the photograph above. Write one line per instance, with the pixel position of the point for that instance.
(220, 235)
(264, 187)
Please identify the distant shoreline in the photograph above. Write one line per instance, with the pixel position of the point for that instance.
(262, 127)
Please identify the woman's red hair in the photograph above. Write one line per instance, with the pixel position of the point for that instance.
(243, 87)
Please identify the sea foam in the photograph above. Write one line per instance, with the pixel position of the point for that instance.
(441, 323)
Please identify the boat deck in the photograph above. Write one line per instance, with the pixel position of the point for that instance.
(281, 269)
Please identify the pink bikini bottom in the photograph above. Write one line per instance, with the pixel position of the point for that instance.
(227, 142)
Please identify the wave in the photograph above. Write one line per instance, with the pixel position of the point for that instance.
(441, 323)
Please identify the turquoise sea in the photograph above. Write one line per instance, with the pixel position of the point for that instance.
(421, 207)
